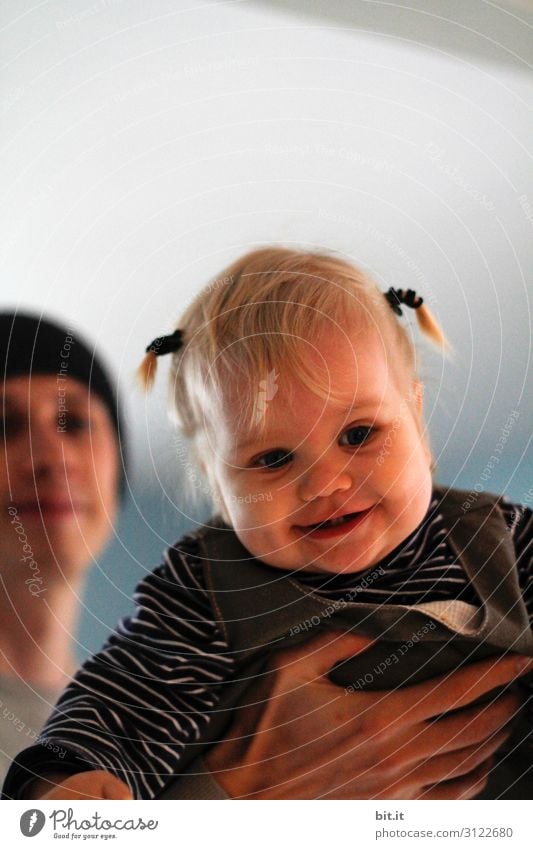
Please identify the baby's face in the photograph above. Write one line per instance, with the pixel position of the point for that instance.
(319, 459)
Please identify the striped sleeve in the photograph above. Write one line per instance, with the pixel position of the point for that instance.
(133, 708)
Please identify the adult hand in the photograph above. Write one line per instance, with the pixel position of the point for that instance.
(93, 784)
(302, 737)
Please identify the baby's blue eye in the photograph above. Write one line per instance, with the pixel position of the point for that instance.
(273, 459)
(357, 435)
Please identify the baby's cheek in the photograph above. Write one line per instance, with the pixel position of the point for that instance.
(246, 515)
(263, 542)
(253, 540)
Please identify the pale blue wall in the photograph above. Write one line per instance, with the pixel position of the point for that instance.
(142, 534)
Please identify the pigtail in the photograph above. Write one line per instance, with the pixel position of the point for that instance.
(430, 327)
(158, 348)
(427, 322)
(146, 371)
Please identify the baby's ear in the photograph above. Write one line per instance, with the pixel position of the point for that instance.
(197, 457)
(416, 402)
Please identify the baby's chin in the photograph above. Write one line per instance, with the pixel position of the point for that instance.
(325, 565)
(268, 550)
(334, 568)
(286, 550)
(291, 556)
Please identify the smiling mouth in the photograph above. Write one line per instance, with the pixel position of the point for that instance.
(340, 524)
(332, 523)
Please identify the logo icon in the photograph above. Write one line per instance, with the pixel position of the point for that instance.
(268, 389)
(31, 822)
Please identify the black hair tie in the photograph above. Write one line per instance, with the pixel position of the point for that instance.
(396, 297)
(166, 344)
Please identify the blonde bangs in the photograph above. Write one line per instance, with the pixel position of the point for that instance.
(260, 319)
(261, 322)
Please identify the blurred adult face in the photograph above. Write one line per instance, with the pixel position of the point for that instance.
(58, 473)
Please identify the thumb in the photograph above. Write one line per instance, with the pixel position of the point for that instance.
(114, 788)
(315, 658)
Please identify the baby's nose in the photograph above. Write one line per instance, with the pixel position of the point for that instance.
(321, 481)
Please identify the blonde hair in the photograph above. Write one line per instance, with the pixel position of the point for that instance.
(256, 318)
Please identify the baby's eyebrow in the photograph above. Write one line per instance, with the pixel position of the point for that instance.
(239, 446)
(266, 437)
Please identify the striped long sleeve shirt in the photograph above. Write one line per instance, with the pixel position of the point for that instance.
(132, 708)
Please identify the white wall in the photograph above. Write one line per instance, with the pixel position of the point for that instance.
(145, 145)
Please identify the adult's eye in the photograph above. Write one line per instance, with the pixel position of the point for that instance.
(11, 426)
(273, 459)
(357, 435)
(74, 423)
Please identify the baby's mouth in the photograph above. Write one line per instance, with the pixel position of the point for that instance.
(331, 523)
(334, 527)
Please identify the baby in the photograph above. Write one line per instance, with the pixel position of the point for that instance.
(295, 379)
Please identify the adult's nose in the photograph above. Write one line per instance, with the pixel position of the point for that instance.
(47, 454)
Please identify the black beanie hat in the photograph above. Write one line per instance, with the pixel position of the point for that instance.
(30, 344)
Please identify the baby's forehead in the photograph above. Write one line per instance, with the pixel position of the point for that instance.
(293, 405)
(336, 366)
(336, 371)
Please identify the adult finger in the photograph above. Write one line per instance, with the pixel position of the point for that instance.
(460, 687)
(475, 724)
(466, 787)
(457, 764)
(92, 784)
(315, 658)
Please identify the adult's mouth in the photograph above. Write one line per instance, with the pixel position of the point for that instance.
(49, 509)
